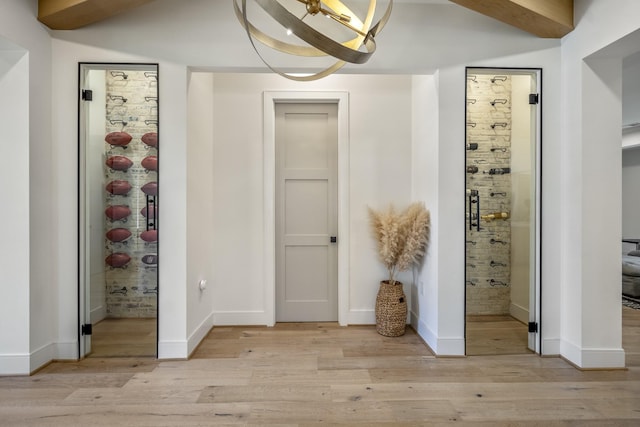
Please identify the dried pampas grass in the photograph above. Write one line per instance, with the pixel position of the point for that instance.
(402, 237)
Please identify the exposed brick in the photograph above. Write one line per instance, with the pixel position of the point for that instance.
(131, 291)
(489, 125)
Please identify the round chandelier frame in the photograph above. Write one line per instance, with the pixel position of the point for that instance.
(357, 50)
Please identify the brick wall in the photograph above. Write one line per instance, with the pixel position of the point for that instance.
(488, 250)
(132, 107)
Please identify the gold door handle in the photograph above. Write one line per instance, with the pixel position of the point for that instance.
(495, 215)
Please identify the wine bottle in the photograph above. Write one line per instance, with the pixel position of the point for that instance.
(499, 171)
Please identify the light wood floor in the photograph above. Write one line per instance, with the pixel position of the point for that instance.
(124, 338)
(486, 335)
(322, 374)
(492, 335)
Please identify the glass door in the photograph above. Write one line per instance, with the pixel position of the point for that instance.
(118, 209)
(502, 211)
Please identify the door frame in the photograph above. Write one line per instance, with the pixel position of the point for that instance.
(535, 289)
(84, 291)
(270, 98)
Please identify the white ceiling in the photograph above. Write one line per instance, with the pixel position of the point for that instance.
(421, 37)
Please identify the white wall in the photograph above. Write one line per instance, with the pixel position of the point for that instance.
(379, 174)
(441, 304)
(425, 182)
(32, 295)
(172, 304)
(200, 230)
(14, 249)
(590, 213)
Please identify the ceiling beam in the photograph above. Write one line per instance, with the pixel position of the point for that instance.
(72, 14)
(544, 18)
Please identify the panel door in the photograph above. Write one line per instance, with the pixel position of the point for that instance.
(306, 212)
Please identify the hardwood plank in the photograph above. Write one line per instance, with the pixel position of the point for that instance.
(306, 377)
(349, 412)
(531, 410)
(33, 397)
(184, 378)
(266, 393)
(66, 381)
(224, 414)
(397, 362)
(103, 365)
(486, 391)
(219, 364)
(156, 395)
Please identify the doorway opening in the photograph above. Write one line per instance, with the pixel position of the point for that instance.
(502, 260)
(341, 99)
(118, 209)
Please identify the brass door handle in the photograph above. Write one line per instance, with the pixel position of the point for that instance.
(495, 215)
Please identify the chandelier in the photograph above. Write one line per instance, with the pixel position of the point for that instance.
(343, 36)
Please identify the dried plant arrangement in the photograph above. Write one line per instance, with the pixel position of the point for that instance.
(402, 237)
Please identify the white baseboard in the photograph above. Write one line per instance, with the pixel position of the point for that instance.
(14, 364)
(233, 318)
(98, 314)
(550, 346)
(520, 313)
(361, 317)
(440, 346)
(25, 364)
(602, 358)
(42, 356)
(198, 335)
(425, 333)
(593, 358)
(173, 349)
(67, 350)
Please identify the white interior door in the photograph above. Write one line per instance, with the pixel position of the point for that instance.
(306, 212)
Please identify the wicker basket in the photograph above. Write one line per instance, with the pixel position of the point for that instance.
(391, 310)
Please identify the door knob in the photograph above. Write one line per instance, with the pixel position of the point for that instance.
(333, 239)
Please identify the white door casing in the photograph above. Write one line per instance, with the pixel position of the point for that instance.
(270, 99)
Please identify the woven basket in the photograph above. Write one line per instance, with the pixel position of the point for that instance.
(391, 310)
